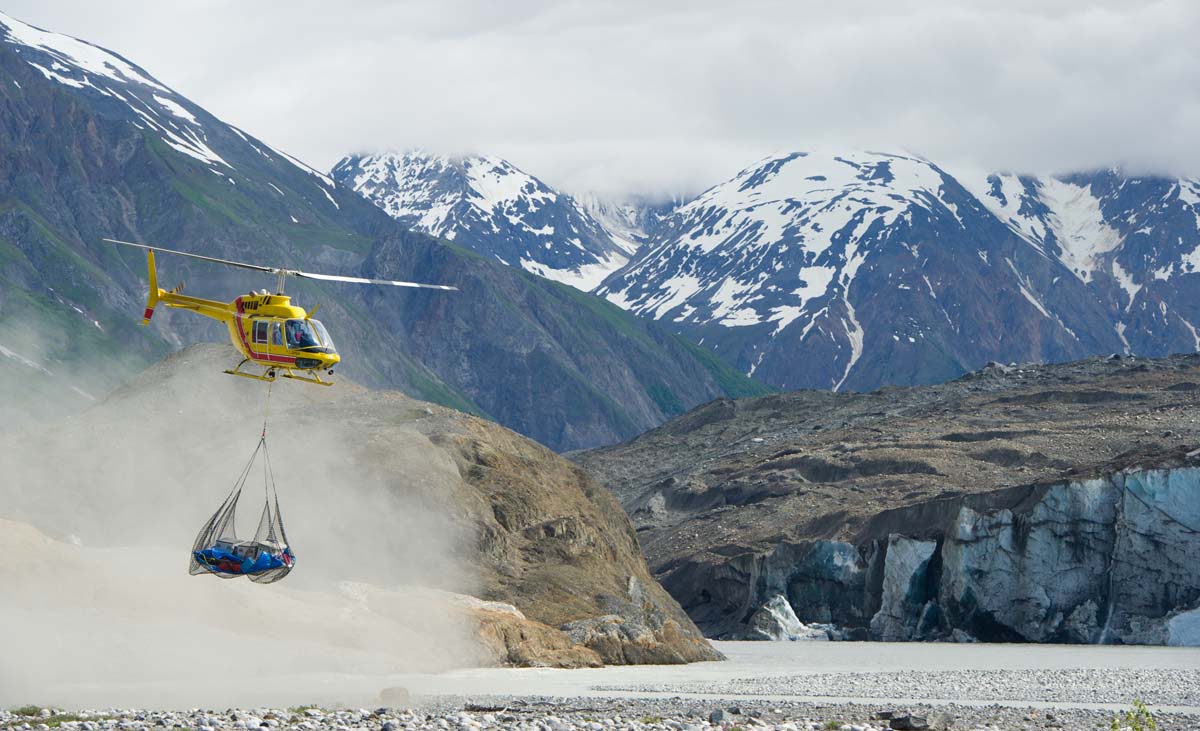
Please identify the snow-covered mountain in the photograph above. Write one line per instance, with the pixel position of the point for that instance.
(489, 205)
(158, 110)
(864, 269)
(1141, 234)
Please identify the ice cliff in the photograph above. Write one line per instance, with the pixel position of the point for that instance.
(1108, 559)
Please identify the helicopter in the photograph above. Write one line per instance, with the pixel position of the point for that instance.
(267, 329)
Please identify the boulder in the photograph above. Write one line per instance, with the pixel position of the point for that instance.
(908, 722)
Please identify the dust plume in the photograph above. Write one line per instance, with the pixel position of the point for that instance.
(98, 512)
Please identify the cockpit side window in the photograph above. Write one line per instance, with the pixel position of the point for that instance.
(260, 330)
(276, 335)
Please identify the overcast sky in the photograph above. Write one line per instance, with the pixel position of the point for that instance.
(646, 96)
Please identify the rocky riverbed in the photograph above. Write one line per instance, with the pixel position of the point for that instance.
(1168, 687)
(582, 714)
(789, 686)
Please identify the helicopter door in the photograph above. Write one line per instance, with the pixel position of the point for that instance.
(260, 331)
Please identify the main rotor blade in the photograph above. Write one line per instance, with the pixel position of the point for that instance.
(226, 262)
(288, 272)
(361, 280)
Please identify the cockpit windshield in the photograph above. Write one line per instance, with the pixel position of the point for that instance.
(306, 335)
(323, 334)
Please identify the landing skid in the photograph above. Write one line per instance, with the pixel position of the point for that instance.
(314, 380)
(270, 372)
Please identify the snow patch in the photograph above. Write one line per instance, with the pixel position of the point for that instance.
(675, 291)
(304, 167)
(1026, 293)
(79, 391)
(1120, 329)
(74, 52)
(1078, 224)
(1126, 281)
(1007, 203)
(586, 277)
(175, 108)
(854, 333)
(13, 355)
(815, 283)
(1192, 329)
(728, 300)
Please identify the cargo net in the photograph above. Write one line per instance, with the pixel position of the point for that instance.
(266, 557)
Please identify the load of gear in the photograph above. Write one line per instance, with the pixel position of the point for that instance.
(266, 557)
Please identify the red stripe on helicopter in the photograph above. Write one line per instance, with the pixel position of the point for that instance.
(285, 359)
(148, 313)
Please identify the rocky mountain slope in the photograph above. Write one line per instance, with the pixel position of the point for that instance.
(490, 206)
(380, 494)
(1036, 503)
(94, 146)
(852, 271)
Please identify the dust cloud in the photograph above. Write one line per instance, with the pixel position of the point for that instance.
(99, 509)
(35, 385)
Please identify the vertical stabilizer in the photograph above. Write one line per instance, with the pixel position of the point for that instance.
(155, 292)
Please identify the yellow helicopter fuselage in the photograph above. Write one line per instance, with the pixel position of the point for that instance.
(266, 328)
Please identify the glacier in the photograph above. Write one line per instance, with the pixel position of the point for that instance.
(1111, 559)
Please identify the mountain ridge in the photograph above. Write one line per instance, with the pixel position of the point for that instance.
(493, 207)
(859, 270)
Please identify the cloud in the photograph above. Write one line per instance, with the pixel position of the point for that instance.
(627, 96)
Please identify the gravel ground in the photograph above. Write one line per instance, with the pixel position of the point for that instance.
(580, 714)
(1171, 687)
